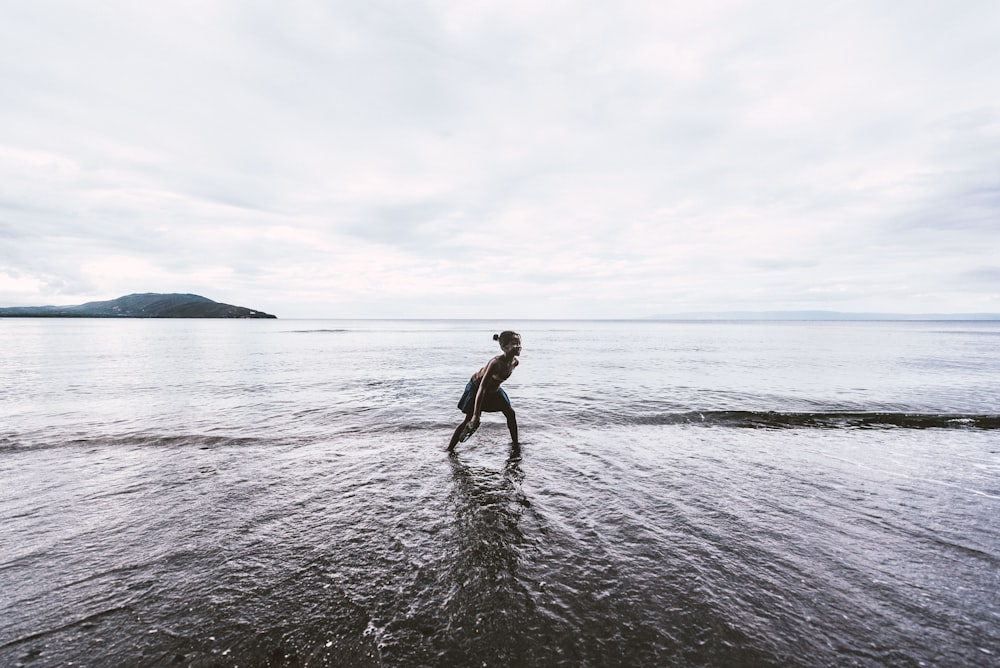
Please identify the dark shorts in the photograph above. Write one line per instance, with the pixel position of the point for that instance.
(493, 402)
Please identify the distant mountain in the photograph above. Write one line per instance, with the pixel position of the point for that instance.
(147, 305)
(822, 315)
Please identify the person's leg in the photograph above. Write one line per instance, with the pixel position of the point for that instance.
(508, 412)
(458, 432)
(465, 405)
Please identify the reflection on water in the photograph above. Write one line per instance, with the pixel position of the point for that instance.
(488, 604)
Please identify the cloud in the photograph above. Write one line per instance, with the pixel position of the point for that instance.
(501, 159)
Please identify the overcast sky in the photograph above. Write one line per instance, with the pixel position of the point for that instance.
(508, 159)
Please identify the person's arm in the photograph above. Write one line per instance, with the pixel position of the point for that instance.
(477, 409)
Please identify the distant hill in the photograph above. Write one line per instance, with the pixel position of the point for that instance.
(823, 315)
(147, 305)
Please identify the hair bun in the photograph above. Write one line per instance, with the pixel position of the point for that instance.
(496, 337)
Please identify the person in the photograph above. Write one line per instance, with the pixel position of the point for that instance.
(483, 391)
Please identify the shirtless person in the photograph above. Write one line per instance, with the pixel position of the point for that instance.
(483, 391)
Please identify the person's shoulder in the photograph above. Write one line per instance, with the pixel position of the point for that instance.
(487, 368)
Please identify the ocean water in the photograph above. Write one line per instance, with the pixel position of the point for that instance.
(277, 493)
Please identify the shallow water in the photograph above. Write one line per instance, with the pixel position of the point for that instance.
(277, 493)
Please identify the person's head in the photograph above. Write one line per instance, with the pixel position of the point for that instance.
(509, 341)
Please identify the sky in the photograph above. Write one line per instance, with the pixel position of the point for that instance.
(514, 159)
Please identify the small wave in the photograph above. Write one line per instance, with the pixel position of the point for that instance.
(735, 419)
(825, 420)
(24, 442)
(317, 331)
(83, 621)
(385, 425)
(176, 440)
